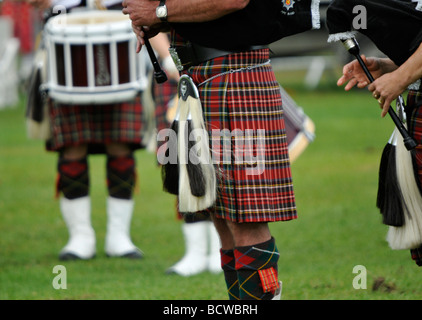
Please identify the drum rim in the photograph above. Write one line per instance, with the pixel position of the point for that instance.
(63, 23)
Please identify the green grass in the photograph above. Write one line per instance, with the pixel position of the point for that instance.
(338, 227)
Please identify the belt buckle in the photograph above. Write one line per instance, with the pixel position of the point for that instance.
(176, 59)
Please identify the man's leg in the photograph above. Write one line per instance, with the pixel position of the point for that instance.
(228, 262)
(256, 257)
(75, 204)
(121, 179)
(249, 259)
(195, 234)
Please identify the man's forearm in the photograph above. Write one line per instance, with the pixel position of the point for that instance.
(142, 12)
(411, 70)
(201, 10)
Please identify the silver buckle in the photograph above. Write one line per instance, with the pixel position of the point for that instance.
(176, 58)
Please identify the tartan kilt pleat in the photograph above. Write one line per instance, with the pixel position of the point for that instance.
(163, 94)
(95, 125)
(243, 110)
(414, 104)
(414, 109)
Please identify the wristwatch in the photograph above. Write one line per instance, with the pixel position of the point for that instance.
(161, 11)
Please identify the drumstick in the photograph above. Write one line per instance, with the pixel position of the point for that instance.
(159, 75)
(353, 48)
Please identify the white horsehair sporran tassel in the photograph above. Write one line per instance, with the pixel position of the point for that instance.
(197, 177)
(409, 235)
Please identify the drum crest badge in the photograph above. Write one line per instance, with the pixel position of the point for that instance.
(102, 78)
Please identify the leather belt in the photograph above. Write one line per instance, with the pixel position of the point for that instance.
(193, 54)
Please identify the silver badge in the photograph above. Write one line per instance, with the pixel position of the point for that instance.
(183, 89)
(288, 4)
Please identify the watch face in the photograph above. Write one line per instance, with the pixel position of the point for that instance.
(161, 12)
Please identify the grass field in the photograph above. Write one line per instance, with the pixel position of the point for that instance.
(338, 228)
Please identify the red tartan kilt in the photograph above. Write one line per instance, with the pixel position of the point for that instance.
(237, 102)
(414, 99)
(95, 125)
(163, 93)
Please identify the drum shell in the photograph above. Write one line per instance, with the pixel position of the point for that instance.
(92, 58)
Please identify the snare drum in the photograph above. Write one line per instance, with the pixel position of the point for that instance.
(92, 58)
(300, 129)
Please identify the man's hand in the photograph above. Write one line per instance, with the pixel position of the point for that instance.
(354, 75)
(385, 88)
(143, 33)
(145, 23)
(141, 12)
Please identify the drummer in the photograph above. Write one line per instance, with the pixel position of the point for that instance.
(81, 130)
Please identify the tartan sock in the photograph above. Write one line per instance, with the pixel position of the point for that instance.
(121, 176)
(228, 264)
(417, 255)
(256, 267)
(73, 178)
